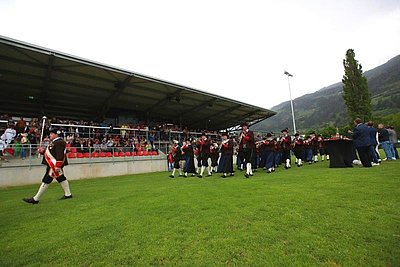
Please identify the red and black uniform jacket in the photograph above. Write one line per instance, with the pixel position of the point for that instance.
(55, 157)
(227, 148)
(204, 146)
(269, 144)
(286, 142)
(247, 141)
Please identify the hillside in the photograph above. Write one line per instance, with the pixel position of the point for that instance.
(326, 106)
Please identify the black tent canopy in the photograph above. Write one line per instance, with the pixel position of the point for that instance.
(38, 81)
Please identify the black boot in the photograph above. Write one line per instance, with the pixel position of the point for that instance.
(31, 200)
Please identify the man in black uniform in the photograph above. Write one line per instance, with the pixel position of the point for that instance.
(204, 144)
(286, 142)
(227, 154)
(177, 156)
(298, 149)
(54, 157)
(247, 148)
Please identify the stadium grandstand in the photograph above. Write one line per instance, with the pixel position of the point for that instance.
(103, 111)
(40, 81)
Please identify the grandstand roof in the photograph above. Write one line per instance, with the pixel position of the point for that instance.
(38, 81)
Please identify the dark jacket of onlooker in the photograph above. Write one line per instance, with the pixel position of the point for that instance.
(383, 135)
(372, 136)
(361, 136)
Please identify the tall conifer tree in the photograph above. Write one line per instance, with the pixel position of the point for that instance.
(355, 89)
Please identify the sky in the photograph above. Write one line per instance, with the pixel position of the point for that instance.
(236, 49)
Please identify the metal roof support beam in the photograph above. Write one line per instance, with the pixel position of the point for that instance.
(228, 110)
(120, 86)
(46, 85)
(246, 116)
(221, 113)
(189, 112)
(28, 56)
(164, 100)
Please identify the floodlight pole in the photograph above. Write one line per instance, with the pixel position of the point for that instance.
(291, 101)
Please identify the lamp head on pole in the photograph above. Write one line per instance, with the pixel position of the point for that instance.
(288, 74)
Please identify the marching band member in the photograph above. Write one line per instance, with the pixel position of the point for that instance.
(177, 155)
(277, 152)
(286, 142)
(321, 147)
(197, 157)
(248, 148)
(227, 154)
(298, 149)
(308, 150)
(314, 142)
(204, 144)
(54, 157)
(188, 152)
(214, 155)
(269, 147)
(261, 152)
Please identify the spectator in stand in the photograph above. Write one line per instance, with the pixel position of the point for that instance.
(2, 147)
(151, 139)
(9, 134)
(24, 145)
(362, 142)
(385, 141)
(148, 146)
(20, 125)
(123, 130)
(393, 142)
(33, 134)
(110, 144)
(96, 146)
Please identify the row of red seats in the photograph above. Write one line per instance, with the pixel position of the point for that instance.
(73, 155)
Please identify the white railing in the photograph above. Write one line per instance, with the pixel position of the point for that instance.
(16, 155)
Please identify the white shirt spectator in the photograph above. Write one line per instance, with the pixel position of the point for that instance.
(9, 135)
(3, 145)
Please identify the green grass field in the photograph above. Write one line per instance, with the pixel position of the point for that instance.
(309, 216)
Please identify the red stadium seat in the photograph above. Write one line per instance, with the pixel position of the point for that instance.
(140, 153)
(109, 154)
(71, 155)
(134, 154)
(73, 149)
(128, 154)
(95, 155)
(86, 155)
(79, 155)
(154, 153)
(122, 154)
(116, 154)
(103, 154)
(146, 153)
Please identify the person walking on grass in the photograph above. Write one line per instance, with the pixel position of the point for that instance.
(54, 157)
